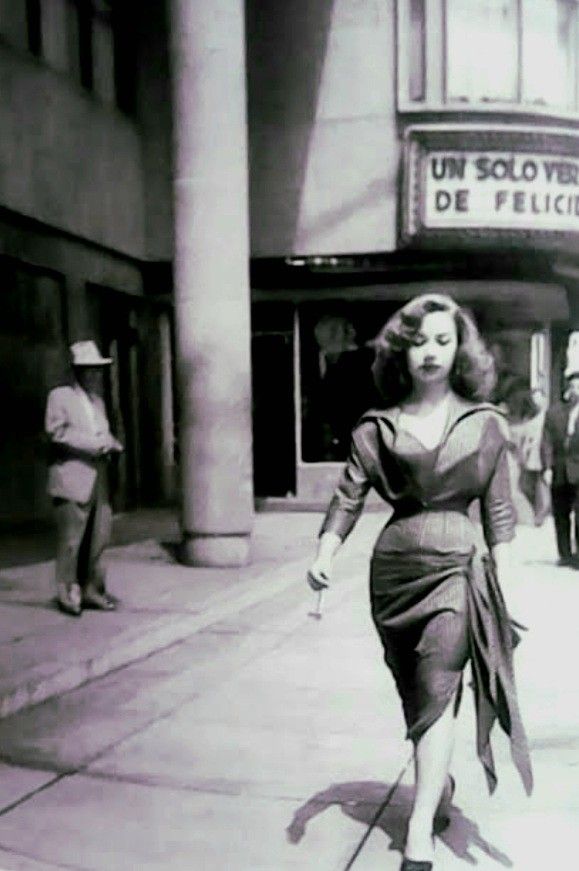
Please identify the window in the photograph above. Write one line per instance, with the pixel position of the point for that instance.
(107, 54)
(550, 52)
(417, 46)
(92, 41)
(34, 26)
(336, 383)
(84, 31)
(481, 52)
(471, 75)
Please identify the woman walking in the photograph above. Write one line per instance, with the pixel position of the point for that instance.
(436, 601)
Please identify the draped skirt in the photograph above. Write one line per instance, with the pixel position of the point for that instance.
(437, 605)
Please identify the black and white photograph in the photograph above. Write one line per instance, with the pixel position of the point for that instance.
(289, 463)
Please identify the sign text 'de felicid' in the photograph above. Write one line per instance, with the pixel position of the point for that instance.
(500, 190)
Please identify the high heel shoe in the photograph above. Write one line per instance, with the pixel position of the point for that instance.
(442, 818)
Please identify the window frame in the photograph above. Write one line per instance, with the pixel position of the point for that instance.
(434, 63)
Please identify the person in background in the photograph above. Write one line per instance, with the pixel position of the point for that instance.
(436, 600)
(560, 463)
(81, 445)
(526, 413)
(334, 404)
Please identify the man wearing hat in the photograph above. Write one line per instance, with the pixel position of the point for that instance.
(560, 461)
(81, 445)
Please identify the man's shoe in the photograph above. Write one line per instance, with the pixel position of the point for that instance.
(67, 606)
(567, 561)
(98, 601)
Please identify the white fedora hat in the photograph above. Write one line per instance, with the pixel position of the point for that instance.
(87, 354)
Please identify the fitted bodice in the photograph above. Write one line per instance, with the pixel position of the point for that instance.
(469, 463)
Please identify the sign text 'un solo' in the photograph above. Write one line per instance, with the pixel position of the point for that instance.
(500, 190)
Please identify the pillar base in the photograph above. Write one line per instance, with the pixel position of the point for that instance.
(214, 550)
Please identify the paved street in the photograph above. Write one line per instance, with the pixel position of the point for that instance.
(267, 739)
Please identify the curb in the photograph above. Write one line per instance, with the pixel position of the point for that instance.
(45, 681)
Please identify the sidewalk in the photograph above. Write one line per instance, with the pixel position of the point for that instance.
(45, 653)
(271, 741)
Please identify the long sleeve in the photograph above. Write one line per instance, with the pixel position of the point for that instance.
(497, 511)
(349, 496)
(61, 434)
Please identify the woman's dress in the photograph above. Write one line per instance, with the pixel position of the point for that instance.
(435, 599)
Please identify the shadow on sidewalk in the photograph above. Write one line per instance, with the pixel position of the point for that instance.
(29, 543)
(363, 801)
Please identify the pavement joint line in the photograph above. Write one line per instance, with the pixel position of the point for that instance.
(164, 715)
(38, 861)
(163, 783)
(139, 645)
(204, 789)
(24, 798)
(377, 815)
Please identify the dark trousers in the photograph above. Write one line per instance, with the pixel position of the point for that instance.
(565, 499)
(83, 533)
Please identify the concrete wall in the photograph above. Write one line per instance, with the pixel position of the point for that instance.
(324, 150)
(68, 159)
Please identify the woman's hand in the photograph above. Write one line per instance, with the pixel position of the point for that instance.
(320, 572)
(318, 576)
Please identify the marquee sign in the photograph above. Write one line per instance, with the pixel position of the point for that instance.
(491, 183)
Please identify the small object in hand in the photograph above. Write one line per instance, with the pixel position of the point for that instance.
(317, 614)
(315, 583)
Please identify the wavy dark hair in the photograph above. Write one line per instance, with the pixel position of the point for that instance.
(473, 374)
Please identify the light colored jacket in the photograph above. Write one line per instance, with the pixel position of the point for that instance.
(76, 439)
(527, 436)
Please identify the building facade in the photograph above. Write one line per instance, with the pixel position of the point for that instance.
(85, 232)
(232, 197)
(397, 148)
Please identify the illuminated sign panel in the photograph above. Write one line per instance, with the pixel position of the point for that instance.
(490, 184)
(500, 189)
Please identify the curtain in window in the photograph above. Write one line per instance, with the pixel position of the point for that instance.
(549, 52)
(482, 61)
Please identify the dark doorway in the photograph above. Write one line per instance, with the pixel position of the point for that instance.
(33, 359)
(115, 320)
(274, 455)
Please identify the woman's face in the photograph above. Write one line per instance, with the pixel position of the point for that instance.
(431, 356)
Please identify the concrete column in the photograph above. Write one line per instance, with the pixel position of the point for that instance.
(211, 279)
(167, 421)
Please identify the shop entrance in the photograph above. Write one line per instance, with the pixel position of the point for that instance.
(33, 360)
(272, 351)
(115, 319)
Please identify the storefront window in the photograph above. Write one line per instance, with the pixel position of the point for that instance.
(488, 69)
(336, 380)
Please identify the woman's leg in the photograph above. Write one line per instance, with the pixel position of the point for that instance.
(432, 756)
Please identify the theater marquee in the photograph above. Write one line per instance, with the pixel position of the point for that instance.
(491, 183)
